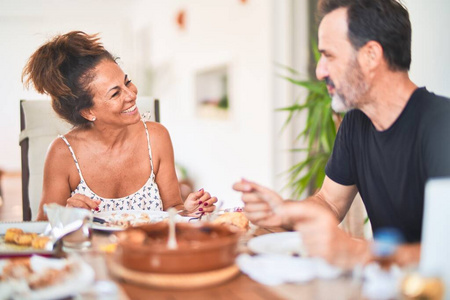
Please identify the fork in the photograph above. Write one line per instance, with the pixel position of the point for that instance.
(172, 240)
(197, 218)
(214, 213)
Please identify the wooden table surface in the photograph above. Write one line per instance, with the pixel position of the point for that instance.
(239, 287)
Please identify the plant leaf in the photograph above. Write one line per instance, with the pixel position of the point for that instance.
(318, 134)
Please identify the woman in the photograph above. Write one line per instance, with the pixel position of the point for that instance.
(110, 153)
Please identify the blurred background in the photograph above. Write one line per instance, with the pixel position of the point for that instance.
(214, 65)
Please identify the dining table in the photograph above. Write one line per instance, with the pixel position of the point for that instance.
(240, 286)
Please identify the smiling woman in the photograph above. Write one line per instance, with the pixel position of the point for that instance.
(111, 159)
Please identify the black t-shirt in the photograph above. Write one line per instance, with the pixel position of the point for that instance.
(390, 168)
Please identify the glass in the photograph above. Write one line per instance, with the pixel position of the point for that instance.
(80, 239)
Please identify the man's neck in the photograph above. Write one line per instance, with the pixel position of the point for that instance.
(389, 97)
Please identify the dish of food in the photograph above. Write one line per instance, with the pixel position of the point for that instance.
(286, 243)
(38, 277)
(19, 237)
(201, 247)
(237, 219)
(120, 220)
(22, 239)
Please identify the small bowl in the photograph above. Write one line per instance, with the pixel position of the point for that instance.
(202, 247)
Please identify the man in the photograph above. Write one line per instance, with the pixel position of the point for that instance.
(394, 137)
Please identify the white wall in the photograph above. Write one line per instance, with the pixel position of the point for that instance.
(218, 153)
(430, 44)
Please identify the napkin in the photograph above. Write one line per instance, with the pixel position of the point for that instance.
(60, 216)
(274, 269)
(381, 284)
(63, 220)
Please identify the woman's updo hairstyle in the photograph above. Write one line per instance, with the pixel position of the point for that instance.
(63, 68)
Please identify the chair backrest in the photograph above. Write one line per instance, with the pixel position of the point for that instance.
(39, 126)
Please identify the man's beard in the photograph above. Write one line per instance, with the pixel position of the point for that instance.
(352, 91)
(339, 105)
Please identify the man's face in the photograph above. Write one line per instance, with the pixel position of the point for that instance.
(339, 65)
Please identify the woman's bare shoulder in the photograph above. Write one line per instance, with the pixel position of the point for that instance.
(157, 129)
(58, 149)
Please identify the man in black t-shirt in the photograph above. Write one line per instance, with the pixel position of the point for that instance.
(394, 137)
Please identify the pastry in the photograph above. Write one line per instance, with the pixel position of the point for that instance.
(237, 219)
(24, 239)
(19, 237)
(39, 242)
(11, 233)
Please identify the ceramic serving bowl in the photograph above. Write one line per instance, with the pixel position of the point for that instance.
(201, 247)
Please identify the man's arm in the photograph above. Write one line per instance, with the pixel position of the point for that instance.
(261, 202)
(334, 196)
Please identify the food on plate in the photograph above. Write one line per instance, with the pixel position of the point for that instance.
(237, 219)
(40, 242)
(25, 239)
(129, 219)
(109, 248)
(33, 274)
(18, 237)
(11, 234)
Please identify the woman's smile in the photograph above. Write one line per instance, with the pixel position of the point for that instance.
(130, 110)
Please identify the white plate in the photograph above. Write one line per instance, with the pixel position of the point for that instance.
(75, 283)
(287, 243)
(37, 226)
(8, 249)
(155, 216)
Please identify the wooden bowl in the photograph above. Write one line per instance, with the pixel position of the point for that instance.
(201, 247)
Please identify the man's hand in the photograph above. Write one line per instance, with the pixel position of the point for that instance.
(321, 235)
(260, 203)
(316, 222)
(407, 254)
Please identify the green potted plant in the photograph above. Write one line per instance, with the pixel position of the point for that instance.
(319, 132)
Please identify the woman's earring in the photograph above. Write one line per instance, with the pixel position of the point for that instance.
(93, 119)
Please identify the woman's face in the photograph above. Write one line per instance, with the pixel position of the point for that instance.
(114, 96)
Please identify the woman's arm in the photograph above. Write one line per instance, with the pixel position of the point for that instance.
(56, 187)
(164, 166)
(58, 168)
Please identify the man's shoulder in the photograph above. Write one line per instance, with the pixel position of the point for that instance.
(432, 112)
(431, 107)
(431, 100)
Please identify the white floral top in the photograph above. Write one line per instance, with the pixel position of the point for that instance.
(147, 198)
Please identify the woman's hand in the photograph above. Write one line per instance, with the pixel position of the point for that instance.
(82, 201)
(200, 202)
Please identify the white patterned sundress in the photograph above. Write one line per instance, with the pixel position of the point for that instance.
(147, 198)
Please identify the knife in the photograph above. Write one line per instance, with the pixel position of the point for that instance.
(99, 220)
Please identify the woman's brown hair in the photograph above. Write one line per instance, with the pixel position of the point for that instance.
(63, 68)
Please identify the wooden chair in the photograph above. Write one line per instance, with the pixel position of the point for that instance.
(39, 126)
